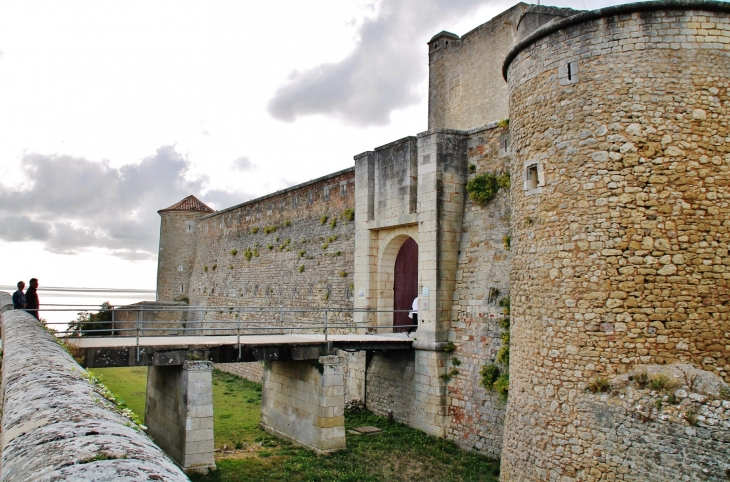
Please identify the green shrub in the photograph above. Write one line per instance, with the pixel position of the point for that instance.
(323, 219)
(641, 379)
(599, 385)
(503, 355)
(503, 123)
(205, 268)
(270, 246)
(287, 223)
(302, 253)
(489, 374)
(333, 223)
(348, 214)
(659, 382)
(507, 241)
(247, 253)
(234, 252)
(501, 385)
(449, 347)
(255, 229)
(301, 268)
(343, 273)
(269, 229)
(482, 188)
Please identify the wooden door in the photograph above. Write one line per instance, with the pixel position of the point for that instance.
(405, 283)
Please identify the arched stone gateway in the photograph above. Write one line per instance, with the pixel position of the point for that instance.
(405, 284)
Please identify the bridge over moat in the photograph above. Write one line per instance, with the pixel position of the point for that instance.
(303, 394)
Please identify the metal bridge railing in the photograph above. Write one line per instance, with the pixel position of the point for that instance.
(241, 321)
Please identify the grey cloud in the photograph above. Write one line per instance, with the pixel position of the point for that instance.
(22, 228)
(243, 163)
(382, 73)
(74, 204)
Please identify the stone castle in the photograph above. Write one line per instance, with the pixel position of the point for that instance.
(596, 276)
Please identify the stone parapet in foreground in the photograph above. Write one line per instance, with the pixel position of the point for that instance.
(56, 426)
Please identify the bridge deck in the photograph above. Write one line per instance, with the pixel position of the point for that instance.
(174, 350)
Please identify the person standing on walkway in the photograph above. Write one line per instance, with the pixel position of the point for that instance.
(19, 297)
(31, 298)
(413, 315)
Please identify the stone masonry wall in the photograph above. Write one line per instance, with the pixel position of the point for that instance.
(306, 262)
(251, 371)
(304, 402)
(477, 414)
(465, 90)
(390, 385)
(155, 318)
(465, 85)
(178, 241)
(56, 425)
(621, 257)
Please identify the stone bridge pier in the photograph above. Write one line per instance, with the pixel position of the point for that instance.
(304, 402)
(179, 412)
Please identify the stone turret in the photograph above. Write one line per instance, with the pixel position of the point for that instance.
(178, 241)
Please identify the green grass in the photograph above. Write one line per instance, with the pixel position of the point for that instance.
(397, 453)
(129, 384)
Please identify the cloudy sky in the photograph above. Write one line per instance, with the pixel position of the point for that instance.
(111, 110)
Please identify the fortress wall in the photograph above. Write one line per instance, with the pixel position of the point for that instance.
(271, 277)
(621, 257)
(477, 414)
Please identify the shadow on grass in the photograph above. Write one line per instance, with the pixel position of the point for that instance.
(397, 453)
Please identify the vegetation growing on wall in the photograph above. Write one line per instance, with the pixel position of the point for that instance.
(495, 376)
(348, 214)
(483, 187)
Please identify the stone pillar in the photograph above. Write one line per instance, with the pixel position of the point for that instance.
(442, 175)
(179, 412)
(366, 248)
(304, 402)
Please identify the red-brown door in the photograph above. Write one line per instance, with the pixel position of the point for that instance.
(405, 283)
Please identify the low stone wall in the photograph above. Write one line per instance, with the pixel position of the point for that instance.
(58, 426)
(155, 317)
(251, 371)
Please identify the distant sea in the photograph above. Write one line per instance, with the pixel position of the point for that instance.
(73, 300)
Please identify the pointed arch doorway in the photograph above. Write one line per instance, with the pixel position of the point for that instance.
(405, 284)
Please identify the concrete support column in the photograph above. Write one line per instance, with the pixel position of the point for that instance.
(179, 412)
(304, 402)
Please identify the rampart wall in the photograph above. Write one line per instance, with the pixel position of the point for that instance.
(292, 248)
(56, 425)
(621, 251)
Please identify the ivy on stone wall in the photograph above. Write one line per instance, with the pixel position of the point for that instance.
(483, 187)
(495, 376)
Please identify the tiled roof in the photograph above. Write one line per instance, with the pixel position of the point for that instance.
(190, 203)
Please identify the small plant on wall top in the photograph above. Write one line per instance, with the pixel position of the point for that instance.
(483, 187)
(503, 123)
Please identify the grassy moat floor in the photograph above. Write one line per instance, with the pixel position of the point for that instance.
(247, 453)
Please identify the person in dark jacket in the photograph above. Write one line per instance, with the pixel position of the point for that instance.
(31, 298)
(19, 297)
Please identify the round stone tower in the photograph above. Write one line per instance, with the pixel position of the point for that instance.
(620, 227)
(178, 241)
